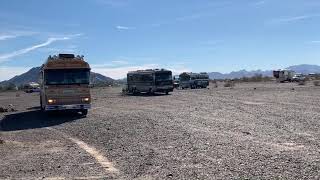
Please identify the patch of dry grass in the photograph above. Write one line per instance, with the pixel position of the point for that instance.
(316, 83)
(229, 84)
(302, 83)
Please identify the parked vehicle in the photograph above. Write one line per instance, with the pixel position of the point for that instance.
(298, 77)
(194, 80)
(176, 81)
(65, 84)
(150, 81)
(31, 87)
(283, 75)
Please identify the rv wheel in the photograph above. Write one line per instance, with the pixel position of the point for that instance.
(84, 112)
(41, 107)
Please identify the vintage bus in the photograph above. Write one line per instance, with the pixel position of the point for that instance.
(194, 80)
(150, 81)
(64, 84)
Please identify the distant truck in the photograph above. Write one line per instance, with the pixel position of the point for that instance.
(298, 77)
(64, 84)
(31, 87)
(194, 80)
(284, 75)
(176, 81)
(150, 81)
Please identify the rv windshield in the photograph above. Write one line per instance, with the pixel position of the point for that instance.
(163, 76)
(184, 77)
(67, 76)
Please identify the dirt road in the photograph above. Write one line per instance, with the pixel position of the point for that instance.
(254, 131)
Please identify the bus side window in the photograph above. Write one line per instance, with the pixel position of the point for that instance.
(130, 78)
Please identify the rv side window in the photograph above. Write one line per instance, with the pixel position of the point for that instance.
(130, 78)
(141, 77)
(184, 78)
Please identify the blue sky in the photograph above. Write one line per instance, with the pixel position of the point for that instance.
(195, 35)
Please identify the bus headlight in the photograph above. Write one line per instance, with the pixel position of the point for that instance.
(85, 99)
(51, 101)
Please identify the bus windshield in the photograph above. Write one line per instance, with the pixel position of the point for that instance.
(163, 76)
(140, 77)
(67, 76)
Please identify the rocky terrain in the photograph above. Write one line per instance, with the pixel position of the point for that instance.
(250, 131)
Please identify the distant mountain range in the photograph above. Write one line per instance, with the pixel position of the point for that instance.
(33, 76)
(303, 68)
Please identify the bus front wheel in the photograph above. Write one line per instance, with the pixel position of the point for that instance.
(41, 105)
(84, 112)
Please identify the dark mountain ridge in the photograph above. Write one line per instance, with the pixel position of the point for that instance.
(33, 76)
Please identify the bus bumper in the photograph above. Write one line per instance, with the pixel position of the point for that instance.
(164, 89)
(67, 107)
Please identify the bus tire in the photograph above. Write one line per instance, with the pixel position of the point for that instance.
(41, 105)
(84, 112)
(167, 92)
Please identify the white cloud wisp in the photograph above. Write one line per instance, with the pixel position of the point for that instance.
(294, 19)
(5, 37)
(6, 57)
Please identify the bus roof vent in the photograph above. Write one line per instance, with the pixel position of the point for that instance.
(68, 56)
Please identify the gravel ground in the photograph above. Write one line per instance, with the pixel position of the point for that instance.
(251, 131)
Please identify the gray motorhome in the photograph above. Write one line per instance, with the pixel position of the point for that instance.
(150, 81)
(194, 80)
(283, 75)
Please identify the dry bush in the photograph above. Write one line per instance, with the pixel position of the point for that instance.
(302, 83)
(316, 83)
(255, 78)
(229, 84)
(1, 140)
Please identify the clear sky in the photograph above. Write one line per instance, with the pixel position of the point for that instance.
(182, 35)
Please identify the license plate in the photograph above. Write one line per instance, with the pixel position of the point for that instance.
(68, 91)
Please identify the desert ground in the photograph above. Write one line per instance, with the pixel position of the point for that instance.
(251, 131)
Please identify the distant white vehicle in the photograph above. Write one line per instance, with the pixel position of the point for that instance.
(31, 87)
(298, 77)
(284, 75)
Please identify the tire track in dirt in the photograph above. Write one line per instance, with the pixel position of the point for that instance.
(99, 157)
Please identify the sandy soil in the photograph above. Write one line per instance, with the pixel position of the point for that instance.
(253, 131)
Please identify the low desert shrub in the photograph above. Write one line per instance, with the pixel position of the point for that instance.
(316, 83)
(302, 83)
(229, 84)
